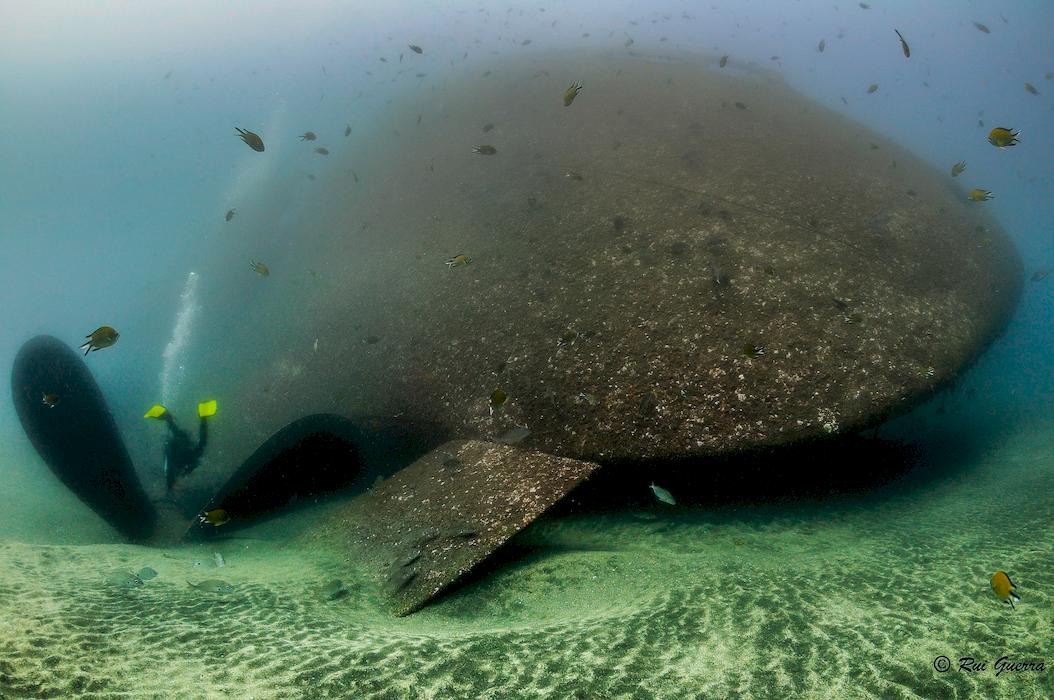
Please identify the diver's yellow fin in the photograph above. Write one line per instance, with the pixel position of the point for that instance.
(207, 408)
(156, 411)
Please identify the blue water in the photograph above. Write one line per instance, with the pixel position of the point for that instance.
(118, 160)
(114, 178)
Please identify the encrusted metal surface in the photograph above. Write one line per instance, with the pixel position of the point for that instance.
(431, 523)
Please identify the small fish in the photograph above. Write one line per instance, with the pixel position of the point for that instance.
(415, 48)
(259, 268)
(525, 42)
(740, 105)
(958, 168)
(571, 93)
(514, 435)
(50, 400)
(822, 45)
(101, 337)
(864, 6)
(982, 28)
(1003, 588)
(124, 579)
(347, 131)
(903, 45)
(487, 127)
(252, 140)
(230, 214)
(218, 560)
(458, 261)
(662, 494)
(723, 62)
(1001, 137)
(316, 344)
(484, 150)
(751, 350)
(322, 151)
(717, 275)
(214, 517)
(146, 573)
(308, 136)
(872, 88)
(1031, 88)
(498, 399)
(213, 585)
(334, 590)
(577, 177)
(1041, 274)
(979, 195)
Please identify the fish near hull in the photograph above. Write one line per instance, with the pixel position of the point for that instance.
(77, 438)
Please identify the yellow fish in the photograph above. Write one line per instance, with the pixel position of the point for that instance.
(571, 93)
(979, 195)
(1004, 588)
(101, 337)
(214, 517)
(458, 261)
(498, 400)
(1001, 137)
(958, 168)
(259, 268)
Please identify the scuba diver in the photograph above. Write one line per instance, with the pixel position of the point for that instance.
(182, 456)
(66, 418)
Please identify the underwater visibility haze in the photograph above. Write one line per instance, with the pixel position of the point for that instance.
(551, 350)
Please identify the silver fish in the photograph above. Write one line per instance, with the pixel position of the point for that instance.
(514, 435)
(124, 579)
(213, 585)
(663, 495)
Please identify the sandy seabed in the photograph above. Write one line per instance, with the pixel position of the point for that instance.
(853, 598)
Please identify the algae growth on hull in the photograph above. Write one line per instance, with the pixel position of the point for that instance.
(682, 262)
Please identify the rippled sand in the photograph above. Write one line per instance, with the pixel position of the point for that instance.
(854, 599)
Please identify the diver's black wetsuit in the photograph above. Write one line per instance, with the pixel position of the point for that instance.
(181, 455)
